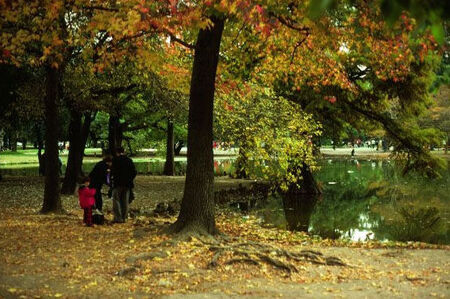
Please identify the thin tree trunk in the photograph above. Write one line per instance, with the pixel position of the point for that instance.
(241, 161)
(40, 146)
(85, 130)
(169, 165)
(114, 134)
(446, 144)
(197, 206)
(130, 149)
(52, 199)
(13, 141)
(73, 170)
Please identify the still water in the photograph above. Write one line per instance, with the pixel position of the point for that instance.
(366, 200)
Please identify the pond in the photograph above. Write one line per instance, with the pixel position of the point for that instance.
(366, 200)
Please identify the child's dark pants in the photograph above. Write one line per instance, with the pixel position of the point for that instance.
(87, 217)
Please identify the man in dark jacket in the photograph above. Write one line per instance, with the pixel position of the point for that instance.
(123, 173)
(99, 176)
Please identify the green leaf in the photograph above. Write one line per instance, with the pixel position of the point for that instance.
(318, 7)
(438, 32)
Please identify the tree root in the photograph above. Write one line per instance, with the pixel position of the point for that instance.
(244, 260)
(255, 253)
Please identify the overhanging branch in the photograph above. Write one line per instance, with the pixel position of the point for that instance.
(113, 90)
(178, 40)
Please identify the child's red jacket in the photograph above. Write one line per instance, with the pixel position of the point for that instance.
(86, 197)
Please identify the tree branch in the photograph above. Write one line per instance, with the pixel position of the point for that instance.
(143, 126)
(178, 40)
(298, 44)
(291, 24)
(114, 90)
(100, 8)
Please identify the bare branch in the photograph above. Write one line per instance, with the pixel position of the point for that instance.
(178, 40)
(298, 44)
(100, 8)
(291, 24)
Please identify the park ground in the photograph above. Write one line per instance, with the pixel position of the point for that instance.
(55, 256)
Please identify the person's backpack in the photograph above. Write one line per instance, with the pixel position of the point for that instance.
(97, 217)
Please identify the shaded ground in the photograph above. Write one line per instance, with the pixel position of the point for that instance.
(55, 256)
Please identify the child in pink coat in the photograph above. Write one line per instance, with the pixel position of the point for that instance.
(87, 200)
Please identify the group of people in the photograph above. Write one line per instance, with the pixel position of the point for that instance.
(117, 172)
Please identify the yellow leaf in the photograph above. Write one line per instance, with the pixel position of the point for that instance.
(47, 51)
(57, 295)
(12, 290)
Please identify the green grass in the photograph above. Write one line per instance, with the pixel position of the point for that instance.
(29, 157)
(19, 157)
(25, 162)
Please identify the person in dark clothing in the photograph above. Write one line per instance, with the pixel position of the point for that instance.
(123, 173)
(99, 176)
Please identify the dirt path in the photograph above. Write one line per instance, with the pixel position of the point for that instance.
(55, 256)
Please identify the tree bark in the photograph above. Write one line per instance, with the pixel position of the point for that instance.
(85, 130)
(13, 141)
(114, 134)
(197, 206)
(241, 161)
(169, 165)
(52, 199)
(308, 184)
(73, 169)
(130, 149)
(40, 146)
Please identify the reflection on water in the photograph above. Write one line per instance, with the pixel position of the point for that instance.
(365, 200)
(298, 210)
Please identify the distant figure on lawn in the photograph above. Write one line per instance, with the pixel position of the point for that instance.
(99, 176)
(123, 173)
(87, 200)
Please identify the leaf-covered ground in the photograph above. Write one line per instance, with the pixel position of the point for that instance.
(56, 256)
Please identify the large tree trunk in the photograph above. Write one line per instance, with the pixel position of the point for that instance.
(169, 165)
(308, 184)
(197, 206)
(115, 134)
(52, 199)
(73, 170)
